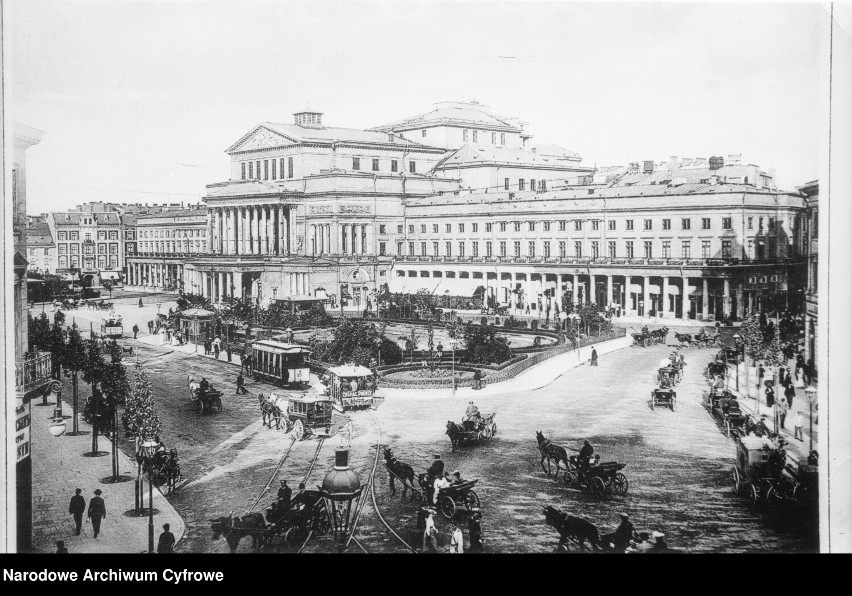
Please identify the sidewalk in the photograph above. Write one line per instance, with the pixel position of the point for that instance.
(59, 467)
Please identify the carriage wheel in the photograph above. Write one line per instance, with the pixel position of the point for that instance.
(597, 486)
(471, 500)
(199, 405)
(569, 479)
(447, 507)
(480, 435)
(773, 497)
(217, 405)
(620, 484)
(298, 430)
(727, 427)
(645, 343)
(672, 403)
(754, 495)
(735, 473)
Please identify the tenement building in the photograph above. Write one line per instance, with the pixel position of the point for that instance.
(658, 240)
(164, 242)
(41, 248)
(89, 245)
(811, 290)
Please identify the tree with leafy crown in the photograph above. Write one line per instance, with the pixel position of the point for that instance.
(140, 417)
(752, 338)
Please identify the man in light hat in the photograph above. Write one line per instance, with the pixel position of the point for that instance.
(97, 512)
(441, 482)
(660, 545)
(471, 416)
(430, 534)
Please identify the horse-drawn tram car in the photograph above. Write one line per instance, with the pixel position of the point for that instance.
(763, 475)
(353, 387)
(112, 328)
(281, 363)
(305, 414)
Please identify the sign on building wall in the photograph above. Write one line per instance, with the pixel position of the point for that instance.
(22, 431)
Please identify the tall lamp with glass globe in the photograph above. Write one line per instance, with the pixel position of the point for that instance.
(811, 394)
(149, 449)
(340, 488)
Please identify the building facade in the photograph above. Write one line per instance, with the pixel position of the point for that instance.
(669, 244)
(41, 248)
(811, 244)
(162, 243)
(89, 244)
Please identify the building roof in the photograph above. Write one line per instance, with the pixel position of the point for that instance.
(39, 235)
(249, 187)
(684, 176)
(129, 219)
(297, 134)
(467, 154)
(173, 213)
(72, 218)
(448, 113)
(557, 151)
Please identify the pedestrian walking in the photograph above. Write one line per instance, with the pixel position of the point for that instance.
(151, 327)
(594, 356)
(798, 426)
(456, 540)
(241, 384)
(228, 351)
(474, 528)
(135, 330)
(166, 543)
(97, 512)
(770, 396)
(430, 534)
(790, 394)
(60, 548)
(760, 372)
(217, 345)
(140, 303)
(782, 408)
(207, 346)
(800, 379)
(76, 508)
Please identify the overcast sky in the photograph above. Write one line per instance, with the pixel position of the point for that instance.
(139, 100)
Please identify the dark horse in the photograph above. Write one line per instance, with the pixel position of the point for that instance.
(235, 529)
(571, 528)
(551, 452)
(401, 470)
(456, 434)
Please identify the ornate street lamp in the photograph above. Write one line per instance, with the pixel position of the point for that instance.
(149, 449)
(738, 342)
(453, 345)
(340, 488)
(57, 427)
(811, 394)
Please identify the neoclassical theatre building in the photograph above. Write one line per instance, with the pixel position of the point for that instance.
(459, 200)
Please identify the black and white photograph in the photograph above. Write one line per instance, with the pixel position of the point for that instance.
(425, 277)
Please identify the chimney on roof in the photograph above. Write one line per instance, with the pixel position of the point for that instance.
(717, 162)
(648, 167)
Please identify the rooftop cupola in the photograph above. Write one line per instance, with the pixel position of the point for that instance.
(308, 118)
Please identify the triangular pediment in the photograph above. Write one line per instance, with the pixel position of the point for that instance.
(261, 138)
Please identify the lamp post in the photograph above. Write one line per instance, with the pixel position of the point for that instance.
(738, 343)
(379, 348)
(340, 488)
(575, 318)
(811, 393)
(149, 448)
(453, 344)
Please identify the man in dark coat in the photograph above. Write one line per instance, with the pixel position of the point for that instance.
(166, 543)
(61, 549)
(623, 534)
(97, 512)
(241, 384)
(790, 393)
(436, 470)
(135, 330)
(474, 528)
(285, 493)
(77, 508)
(594, 356)
(586, 453)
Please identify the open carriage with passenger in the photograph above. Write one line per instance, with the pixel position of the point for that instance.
(204, 397)
(353, 387)
(456, 498)
(664, 397)
(723, 405)
(600, 478)
(763, 475)
(304, 414)
(294, 522)
(474, 428)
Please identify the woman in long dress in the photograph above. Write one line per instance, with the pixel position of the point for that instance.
(800, 379)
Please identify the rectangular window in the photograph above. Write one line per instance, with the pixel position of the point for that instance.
(448, 248)
(376, 164)
(612, 249)
(531, 225)
(257, 169)
(74, 236)
(75, 249)
(667, 224)
(543, 186)
(289, 167)
(517, 226)
(628, 224)
(705, 223)
(281, 166)
(596, 249)
(610, 224)
(461, 249)
(726, 223)
(411, 248)
(394, 165)
(274, 169)
(649, 249)
(685, 223)
(596, 224)
(356, 163)
(749, 253)
(474, 249)
(493, 138)
(410, 228)
(243, 170)
(628, 247)
(562, 251)
(464, 135)
(547, 226)
(422, 228)
(546, 249)
(520, 184)
(63, 249)
(101, 235)
(63, 236)
(750, 223)
(475, 227)
(423, 133)
(382, 229)
(422, 249)
(449, 228)
(705, 249)
(266, 169)
(113, 248)
(63, 262)
(399, 229)
(578, 225)
(648, 224)
(505, 183)
(502, 138)
(726, 249)
(578, 248)
(488, 248)
(532, 184)
(531, 248)
(517, 249)
(685, 249)
(251, 169)
(461, 228)
(412, 167)
(475, 135)
(502, 226)
(562, 226)
(503, 248)
(435, 249)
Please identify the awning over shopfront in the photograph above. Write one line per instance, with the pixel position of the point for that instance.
(110, 275)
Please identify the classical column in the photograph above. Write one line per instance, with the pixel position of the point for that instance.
(705, 299)
(726, 297)
(209, 223)
(666, 295)
(609, 298)
(245, 228)
(364, 241)
(263, 223)
(592, 290)
(313, 239)
(233, 237)
(270, 230)
(258, 238)
(576, 289)
(343, 247)
(684, 299)
(646, 295)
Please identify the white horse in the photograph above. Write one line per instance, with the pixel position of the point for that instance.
(193, 385)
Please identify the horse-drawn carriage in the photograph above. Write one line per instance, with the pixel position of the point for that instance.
(716, 370)
(641, 339)
(763, 476)
(663, 396)
(730, 355)
(280, 363)
(723, 405)
(162, 469)
(668, 376)
(205, 399)
(112, 328)
(478, 429)
(646, 338)
(353, 387)
(304, 414)
(599, 478)
(700, 340)
(457, 497)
